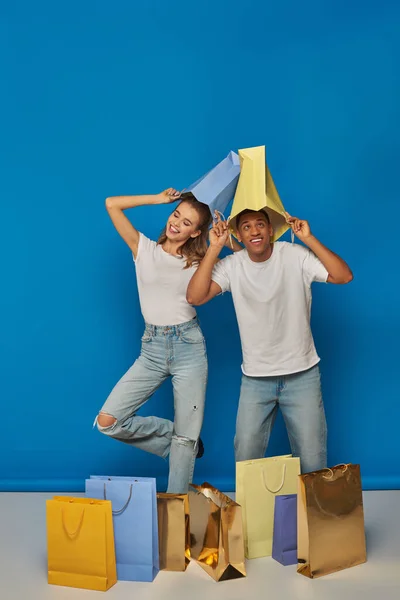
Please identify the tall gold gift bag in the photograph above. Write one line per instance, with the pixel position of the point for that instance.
(173, 531)
(330, 521)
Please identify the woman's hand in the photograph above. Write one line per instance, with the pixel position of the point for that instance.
(168, 196)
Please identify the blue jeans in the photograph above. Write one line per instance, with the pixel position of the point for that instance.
(178, 352)
(300, 400)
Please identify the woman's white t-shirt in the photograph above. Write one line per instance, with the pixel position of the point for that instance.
(273, 306)
(162, 284)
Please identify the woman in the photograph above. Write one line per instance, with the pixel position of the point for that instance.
(172, 345)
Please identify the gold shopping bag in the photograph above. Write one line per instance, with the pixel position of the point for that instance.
(257, 483)
(80, 543)
(173, 531)
(216, 530)
(330, 521)
(256, 190)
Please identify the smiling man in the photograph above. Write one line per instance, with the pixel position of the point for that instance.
(271, 291)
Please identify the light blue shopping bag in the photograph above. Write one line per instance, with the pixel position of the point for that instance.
(217, 187)
(134, 507)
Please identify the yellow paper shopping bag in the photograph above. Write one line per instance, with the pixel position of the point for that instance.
(256, 190)
(80, 543)
(257, 483)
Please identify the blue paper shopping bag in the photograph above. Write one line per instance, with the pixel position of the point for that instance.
(284, 545)
(134, 508)
(217, 187)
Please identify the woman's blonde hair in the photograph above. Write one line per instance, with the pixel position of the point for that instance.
(194, 249)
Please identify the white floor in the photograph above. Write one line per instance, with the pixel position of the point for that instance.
(23, 563)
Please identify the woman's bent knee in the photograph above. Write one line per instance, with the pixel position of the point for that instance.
(105, 421)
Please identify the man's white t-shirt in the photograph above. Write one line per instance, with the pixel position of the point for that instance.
(273, 307)
(162, 282)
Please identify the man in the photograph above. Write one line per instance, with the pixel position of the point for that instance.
(271, 290)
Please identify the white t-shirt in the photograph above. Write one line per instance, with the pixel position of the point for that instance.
(162, 283)
(273, 304)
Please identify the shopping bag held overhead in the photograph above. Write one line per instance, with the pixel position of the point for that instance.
(217, 187)
(256, 190)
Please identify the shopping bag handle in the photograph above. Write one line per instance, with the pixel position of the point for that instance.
(121, 510)
(346, 466)
(77, 530)
(282, 482)
(317, 502)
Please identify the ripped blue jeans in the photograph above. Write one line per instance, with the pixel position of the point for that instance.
(178, 352)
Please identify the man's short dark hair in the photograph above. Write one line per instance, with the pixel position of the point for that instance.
(248, 210)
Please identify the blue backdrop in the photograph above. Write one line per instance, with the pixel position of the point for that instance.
(105, 98)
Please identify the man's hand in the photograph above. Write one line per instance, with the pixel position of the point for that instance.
(218, 233)
(299, 227)
(338, 270)
(167, 196)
